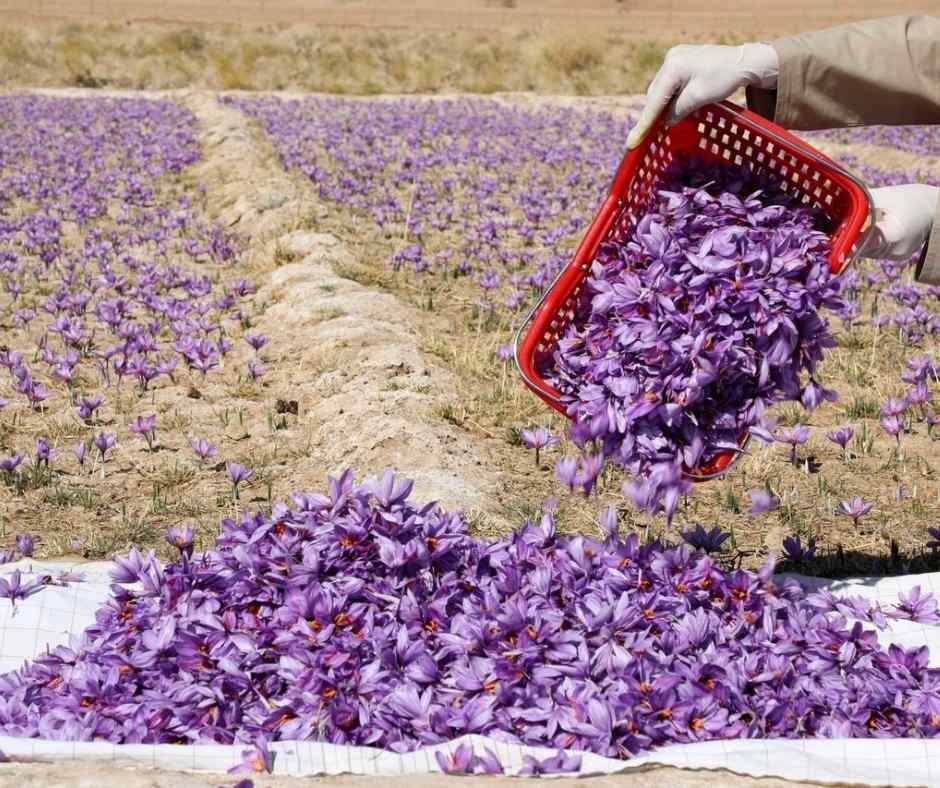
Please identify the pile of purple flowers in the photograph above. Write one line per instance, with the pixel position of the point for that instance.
(704, 317)
(361, 617)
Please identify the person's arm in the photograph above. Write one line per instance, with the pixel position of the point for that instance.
(882, 71)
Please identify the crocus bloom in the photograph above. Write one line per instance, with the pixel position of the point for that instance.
(458, 762)
(10, 464)
(25, 544)
(794, 436)
(256, 371)
(566, 471)
(894, 406)
(794, 550)
(709, 541)
(238, 474)
(203, 449)
(181, 537)
(44, 453)
(538, 439)
(145, 425)
(856, 508)
(12, 586)
(763, 501)
(555, 764)
(841, 436)
(104, 441)
(257, 341)
(88, 405)
(258, 759)
(932, 420)
(894, 426)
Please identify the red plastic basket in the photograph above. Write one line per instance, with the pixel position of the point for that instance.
(722, 132)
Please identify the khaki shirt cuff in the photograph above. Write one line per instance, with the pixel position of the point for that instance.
(761, 101)
(790, 83)
(928, 267)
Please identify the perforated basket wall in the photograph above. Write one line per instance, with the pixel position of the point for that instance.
(722, 132)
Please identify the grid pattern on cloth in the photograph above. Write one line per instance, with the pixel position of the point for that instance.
(52, 616)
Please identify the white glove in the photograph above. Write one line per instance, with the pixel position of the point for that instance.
(699, 75)
(903, 219)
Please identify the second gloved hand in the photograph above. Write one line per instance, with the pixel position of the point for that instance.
(699, 75)
(904, 216)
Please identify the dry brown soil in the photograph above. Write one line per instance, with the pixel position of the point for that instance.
(85, 775)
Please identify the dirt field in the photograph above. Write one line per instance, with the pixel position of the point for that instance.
(599, 47)
(643, 18)
(80, 775)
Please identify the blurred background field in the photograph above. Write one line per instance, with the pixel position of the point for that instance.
(591, 47)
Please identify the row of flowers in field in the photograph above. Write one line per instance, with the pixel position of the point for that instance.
(100, 255)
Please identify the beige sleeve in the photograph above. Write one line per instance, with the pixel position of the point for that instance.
(928, 267)
(879, 71)
(865, 73)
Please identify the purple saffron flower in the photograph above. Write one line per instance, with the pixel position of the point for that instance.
(25, 544)
(12, 587)
(932, 420)
(555, 764)
(504, 352)
(795, 552)
(589, 468)
(856, 508)
(10, 464)
(841, 436)
(763, 501)
(146, 426)
(538, 439)
(257, 341)
(894, 406)
(894, 426)
(256, 371)
(917, 606)
(79, 450)
(6, 556)
(203, 449)
(181, 537)
(44, 453)
(259, 759)
(104, 441)
(88, 405)
(934, 543)
(793, 436)
(566, 471)
(238, 474)
(710, 541)
(460, 761)
(814, 395)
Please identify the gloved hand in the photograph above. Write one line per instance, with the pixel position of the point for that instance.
(903, 219)
(699, 75)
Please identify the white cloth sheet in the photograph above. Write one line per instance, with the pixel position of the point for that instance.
(49, 617)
